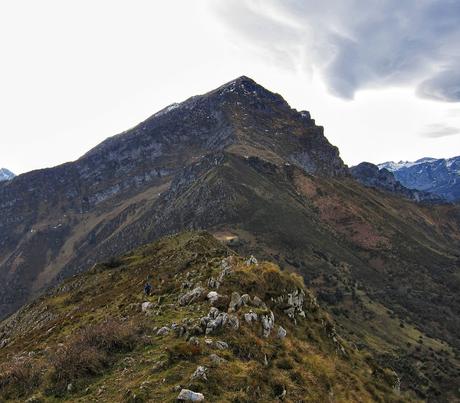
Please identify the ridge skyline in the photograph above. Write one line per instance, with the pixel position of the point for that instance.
(174, 104)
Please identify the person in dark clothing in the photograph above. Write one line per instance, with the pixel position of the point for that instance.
(147, 288)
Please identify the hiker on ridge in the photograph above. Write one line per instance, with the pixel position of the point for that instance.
(147, 289)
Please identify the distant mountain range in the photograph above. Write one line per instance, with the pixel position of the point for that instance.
(370, 175)
(437, 176)
(6, 175)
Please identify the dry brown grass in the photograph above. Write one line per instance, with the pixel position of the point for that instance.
(91, 350)
(18, 377)
(183, 351)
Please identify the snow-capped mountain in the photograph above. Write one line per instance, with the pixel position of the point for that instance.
(438, 176)
(394, 166)
(370, 175)
(6, 175)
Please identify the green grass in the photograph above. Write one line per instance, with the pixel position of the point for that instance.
(126, 352)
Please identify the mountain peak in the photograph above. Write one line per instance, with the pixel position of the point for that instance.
(240, 116)
(241, 80)
(246, 87)
(244, 79)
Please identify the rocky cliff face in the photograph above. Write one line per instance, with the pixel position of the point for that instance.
(370, 175)
(437, 176)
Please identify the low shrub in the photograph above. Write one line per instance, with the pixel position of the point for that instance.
(90, 351)
(113, 263)
(18, 377)
(285, 363)
(183, 351)
(75, 361)
(110, 336)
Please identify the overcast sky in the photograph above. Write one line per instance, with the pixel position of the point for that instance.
(382, 77)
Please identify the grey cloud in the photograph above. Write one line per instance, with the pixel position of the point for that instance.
(444, 86)
(358, 44)
(439, 130)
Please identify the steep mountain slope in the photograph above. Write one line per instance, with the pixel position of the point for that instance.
(51, 216)
(370, 175)
(241, 163)
(6, 175)
(438, 176)
(216, 325)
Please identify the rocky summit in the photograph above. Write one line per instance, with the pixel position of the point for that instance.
(262, 178)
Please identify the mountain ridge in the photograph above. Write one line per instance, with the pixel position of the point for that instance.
(251, 170)
(216, 326)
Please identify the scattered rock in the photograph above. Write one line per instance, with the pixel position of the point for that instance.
(188, 395)
(233, 322)
(295, 302)
(282, 395)
(225, 264)
(282, 332)
(268, 322)
(194, 341)
(34, 399)
(163, 331)
(397, 384)
(216, 360)
(213, 296)
(213, 321)
(226, 269)
(187, 284)
(217, 323)
(236, 302)
(199, 374)
(220, 345)
(147, 306)
(213, 283)
(258, 303)
(251, 261)
(213, 312)
(245, 298)
(191, 296)
(250, 317)
(158, 366)
(179, 330)
(131, 397)
(332, 334)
